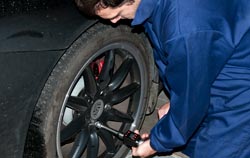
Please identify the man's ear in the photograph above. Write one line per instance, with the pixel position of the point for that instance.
(78, 3)
(130, 2)
(100, 5)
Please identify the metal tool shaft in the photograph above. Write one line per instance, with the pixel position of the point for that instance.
(100, 125)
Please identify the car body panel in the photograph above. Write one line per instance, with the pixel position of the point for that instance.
(23, 76)
(51, 28)
(33, 37)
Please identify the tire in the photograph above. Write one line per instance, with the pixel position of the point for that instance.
(104, 77)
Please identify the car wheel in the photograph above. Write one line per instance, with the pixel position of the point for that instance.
(104, 77)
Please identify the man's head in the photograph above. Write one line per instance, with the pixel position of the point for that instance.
(113, 10)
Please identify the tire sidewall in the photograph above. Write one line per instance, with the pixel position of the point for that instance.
(76, 58)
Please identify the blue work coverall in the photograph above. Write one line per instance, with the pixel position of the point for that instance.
(202, 50)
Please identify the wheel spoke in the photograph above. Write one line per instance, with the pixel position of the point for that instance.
(108, 140)
(123, 93)
(107, 70)
(106, 155)
(77, 103)
(72, 129)
(93, 145)
(118, 116)
(120, 74)
(80, 144)
(90, 82)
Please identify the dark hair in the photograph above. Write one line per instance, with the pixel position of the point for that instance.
(90, 6)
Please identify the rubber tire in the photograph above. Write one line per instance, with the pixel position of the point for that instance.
(41, 137)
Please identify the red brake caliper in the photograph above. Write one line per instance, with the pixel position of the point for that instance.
(97, 67)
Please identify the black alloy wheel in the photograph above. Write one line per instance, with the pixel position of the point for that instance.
(104, 78)
(105, 94)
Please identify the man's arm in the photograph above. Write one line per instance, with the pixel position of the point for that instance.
(163, 110)
(194, 61)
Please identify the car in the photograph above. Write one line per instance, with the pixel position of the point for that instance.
(63, 73)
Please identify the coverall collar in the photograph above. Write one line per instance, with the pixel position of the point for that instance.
(144, 11)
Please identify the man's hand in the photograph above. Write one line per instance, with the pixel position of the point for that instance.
(163, 110)
(144, 149)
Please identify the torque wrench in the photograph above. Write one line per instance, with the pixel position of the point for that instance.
(129, 138)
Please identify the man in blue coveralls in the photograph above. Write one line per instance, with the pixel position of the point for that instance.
(202, 50)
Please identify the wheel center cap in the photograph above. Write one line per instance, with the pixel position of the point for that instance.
(97, 109)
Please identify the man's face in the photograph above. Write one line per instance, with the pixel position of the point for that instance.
(125, 11)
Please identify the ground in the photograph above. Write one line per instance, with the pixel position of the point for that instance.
(150, 121)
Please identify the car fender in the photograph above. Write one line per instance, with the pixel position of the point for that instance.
(31, 44)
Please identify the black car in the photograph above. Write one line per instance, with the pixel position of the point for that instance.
(63, 73)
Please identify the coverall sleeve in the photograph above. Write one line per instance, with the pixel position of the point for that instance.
(193, 62)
